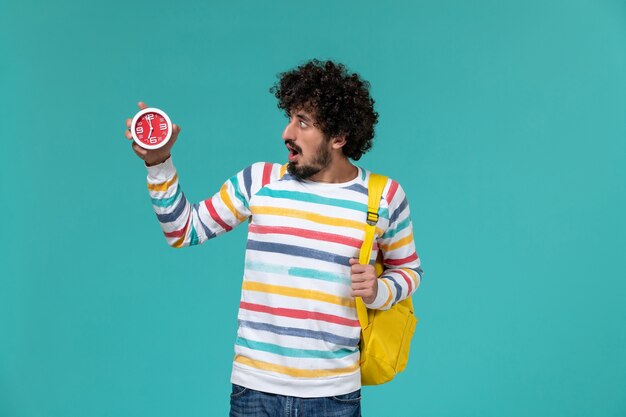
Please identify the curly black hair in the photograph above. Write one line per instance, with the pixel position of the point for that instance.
(340, 101)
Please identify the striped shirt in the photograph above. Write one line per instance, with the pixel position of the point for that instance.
(298, 329)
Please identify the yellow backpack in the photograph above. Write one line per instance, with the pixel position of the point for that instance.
(385, 334)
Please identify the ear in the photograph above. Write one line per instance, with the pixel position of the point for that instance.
(338, 142)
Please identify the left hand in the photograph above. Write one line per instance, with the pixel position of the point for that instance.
(364, 281)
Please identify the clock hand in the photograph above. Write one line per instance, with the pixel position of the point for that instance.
(151, 128)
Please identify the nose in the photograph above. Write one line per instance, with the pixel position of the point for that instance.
(288, 133)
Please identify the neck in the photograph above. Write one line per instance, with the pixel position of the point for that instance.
(339, 170)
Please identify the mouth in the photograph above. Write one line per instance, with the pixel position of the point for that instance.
(294, 151)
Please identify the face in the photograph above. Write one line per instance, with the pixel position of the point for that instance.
(309, 149)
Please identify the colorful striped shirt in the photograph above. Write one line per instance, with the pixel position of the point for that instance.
(298, 329)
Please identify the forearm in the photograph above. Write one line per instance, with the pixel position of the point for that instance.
(402, 266)
(396, 284)
(183, 223)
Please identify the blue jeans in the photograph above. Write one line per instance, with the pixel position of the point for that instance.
(246, 402)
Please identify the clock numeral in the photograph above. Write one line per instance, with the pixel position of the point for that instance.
(139, 129)
(150, 116)
(153, 140)
(163, 126)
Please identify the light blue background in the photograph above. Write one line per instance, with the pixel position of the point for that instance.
(504, 121)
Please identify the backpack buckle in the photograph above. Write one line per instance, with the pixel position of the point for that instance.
(372, 218)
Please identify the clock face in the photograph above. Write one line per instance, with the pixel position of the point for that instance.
(151, 128)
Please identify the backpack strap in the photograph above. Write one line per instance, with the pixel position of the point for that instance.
(375, 188)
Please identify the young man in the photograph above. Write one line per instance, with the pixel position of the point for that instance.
(297, 346)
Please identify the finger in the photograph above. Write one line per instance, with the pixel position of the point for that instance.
(175, 132)
(141, 152)
(357, 281)
(358, 291)
(363, 267)
(361, 293)
(129, 122)
(357, 269)
(361, 278)
(354, 261)
(142, 105)
(358, 275)
(128, 134)
(139, 155)
(363, 290)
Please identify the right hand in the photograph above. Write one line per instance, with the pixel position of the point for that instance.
(153, 156)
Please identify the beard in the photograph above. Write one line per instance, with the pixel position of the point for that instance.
(321, 161)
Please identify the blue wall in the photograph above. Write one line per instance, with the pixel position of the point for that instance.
(504, 121)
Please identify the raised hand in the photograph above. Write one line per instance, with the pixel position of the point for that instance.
(154, 156)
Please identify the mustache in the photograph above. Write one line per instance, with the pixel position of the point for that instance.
(290, 143)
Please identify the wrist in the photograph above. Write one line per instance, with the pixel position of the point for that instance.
(157, 161)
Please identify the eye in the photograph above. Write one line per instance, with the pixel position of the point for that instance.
(302, 124)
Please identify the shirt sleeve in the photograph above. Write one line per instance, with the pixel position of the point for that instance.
(187, 224)
(402, 272)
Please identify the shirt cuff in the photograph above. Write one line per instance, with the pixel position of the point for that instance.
(161, 172)
(381, 296)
